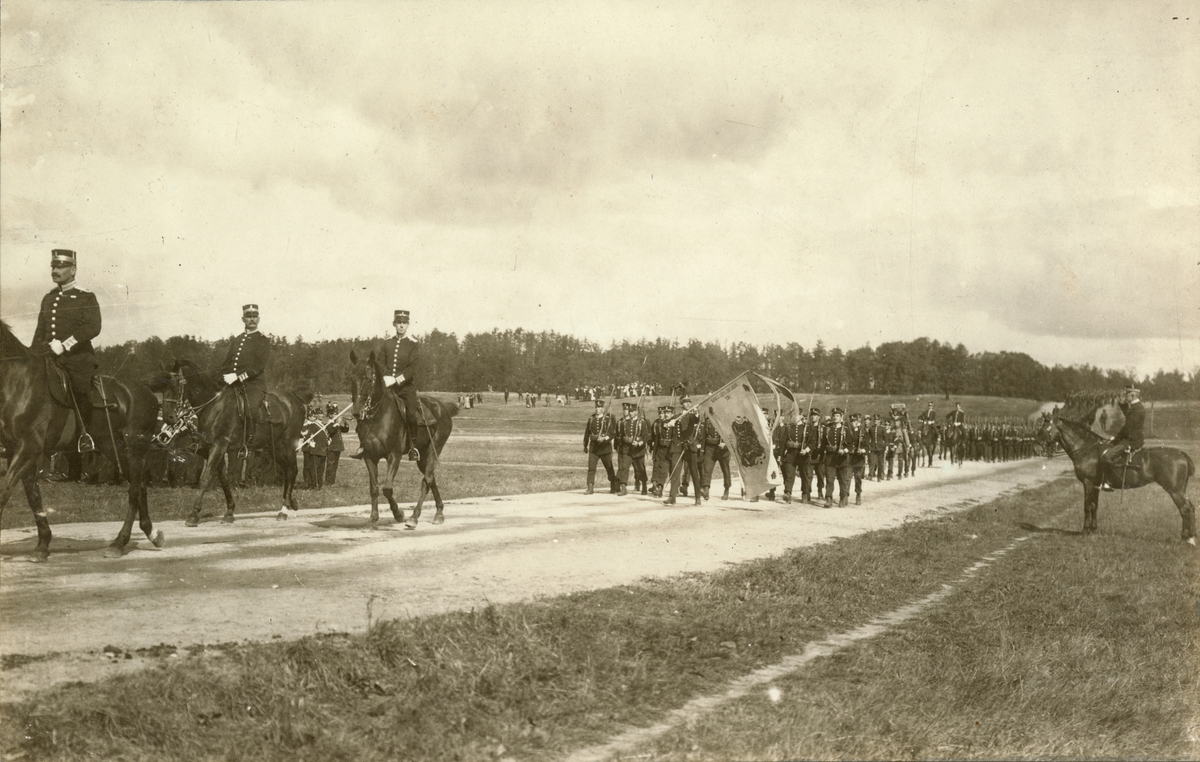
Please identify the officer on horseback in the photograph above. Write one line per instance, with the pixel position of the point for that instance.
(68, 320)
(1129, 439)
(400, 367)
(245, 365)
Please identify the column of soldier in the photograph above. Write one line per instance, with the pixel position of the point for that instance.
(818, 451)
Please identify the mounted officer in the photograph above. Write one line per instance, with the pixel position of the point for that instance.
(400, 369)
(1121, 448)
(245, 367)
(68, 320)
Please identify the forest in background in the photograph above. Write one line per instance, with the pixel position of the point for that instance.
(549, 362)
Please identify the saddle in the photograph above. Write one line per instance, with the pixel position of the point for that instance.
(1125, 464)
(426, 417)
(272, 409)
(60, 385)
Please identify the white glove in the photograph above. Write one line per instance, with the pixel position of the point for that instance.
(389, 380)
(56, 346)
(229, 377)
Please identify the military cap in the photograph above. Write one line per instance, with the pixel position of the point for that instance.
(814, 411)
(331, 408)
(249, 310)
(629, 405)
(668, 408)
(662, 409)
(62, 257)
(855, 417)
(400, 316)
(599, 403)
(1131, 389)
(837, 411)
(685, 398)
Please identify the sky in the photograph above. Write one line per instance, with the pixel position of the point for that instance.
(1012, 176)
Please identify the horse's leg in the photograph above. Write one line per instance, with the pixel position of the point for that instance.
(1091, 503)
(33, 494)
(416, 514)
(116, 548)
(223, 478)
(287, 461)
(437, 499)
(393, 465)
(1187, 512)
(207, 477)
(138, 468)
(373, 480)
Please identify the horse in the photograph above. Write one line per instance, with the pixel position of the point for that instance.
(1046, 438)
(37, 420)
(222, 421)
(383, 434)
(929, 441)
(956, 442)
(1166, 466)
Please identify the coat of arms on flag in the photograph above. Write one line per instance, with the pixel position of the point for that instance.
(735, 411)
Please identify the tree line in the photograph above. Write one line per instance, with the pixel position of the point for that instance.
(549, 362)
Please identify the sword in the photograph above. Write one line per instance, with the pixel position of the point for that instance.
(323, 426)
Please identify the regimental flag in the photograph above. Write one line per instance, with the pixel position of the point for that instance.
(735, 411)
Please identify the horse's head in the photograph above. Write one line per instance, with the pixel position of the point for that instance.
(366, 384)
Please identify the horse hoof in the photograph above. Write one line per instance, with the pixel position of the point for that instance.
(1192, 541)
(192, 521)
(39, 556)
(410, 525)
(113, 551)
(439, 519)
(157, 538)
(285, 513)
(227, 518)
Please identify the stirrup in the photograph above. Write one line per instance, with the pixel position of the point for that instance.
(1106, 487)
(414, 454)
(86, 444)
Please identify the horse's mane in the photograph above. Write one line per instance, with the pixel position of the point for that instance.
(10, 345)
(1079, 426)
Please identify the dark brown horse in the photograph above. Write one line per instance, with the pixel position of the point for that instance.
(33, 423)
(222, 423)
(928, 440)
(382, 434)
(1165, 466)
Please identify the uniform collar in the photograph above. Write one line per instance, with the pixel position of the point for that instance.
(247, 333)
(64, 288)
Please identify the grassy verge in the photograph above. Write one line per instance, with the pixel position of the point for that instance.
(1069, 647)
(537, 680)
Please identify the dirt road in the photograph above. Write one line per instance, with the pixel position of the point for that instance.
(259, 579)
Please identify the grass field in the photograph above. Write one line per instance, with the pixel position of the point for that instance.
(1068, 646)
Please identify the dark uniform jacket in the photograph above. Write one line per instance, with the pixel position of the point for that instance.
(599, 433)
(66, 315)
(810, 437)
(712, 437)
(248, 354)
(835, 440)
(662, 435)
(877, 436)
(319, 443)
(859, 442)
(335, 435)
(1135, 420)
(686, 428)
(634, 434)
(400, 359)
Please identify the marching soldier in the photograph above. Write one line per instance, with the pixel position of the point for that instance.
(68, 320)
(633, 434)
(877, 437)
(316, 442)
(715, 451)
(1128, 440)
(400, 369)
(245, 368)
(681, 450)
(837, 460)
(693, 450)
(598, 438)
(787, 448)
(808, 457)
(661, 436)
(859, 446)
(336, 446)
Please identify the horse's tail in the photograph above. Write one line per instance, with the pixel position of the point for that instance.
(1191, 465)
